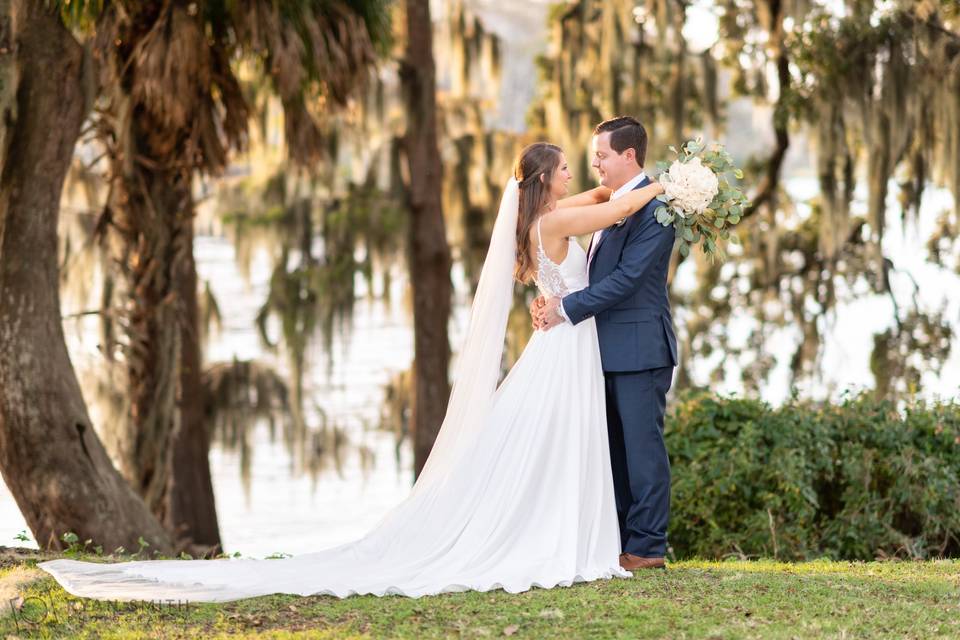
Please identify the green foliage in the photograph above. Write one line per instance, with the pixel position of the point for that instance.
(74, 548)
(80, 14)
(375, 14)
(855, 480)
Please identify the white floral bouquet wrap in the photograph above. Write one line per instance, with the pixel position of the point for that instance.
(698, 200)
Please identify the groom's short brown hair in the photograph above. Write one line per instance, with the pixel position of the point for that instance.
(625, 133)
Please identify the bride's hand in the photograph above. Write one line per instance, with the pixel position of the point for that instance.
(535, 306)
(601, 194)
(638, 198)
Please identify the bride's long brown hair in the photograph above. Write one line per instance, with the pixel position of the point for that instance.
(537, 159)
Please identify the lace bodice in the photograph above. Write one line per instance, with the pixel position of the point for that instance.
(557, 280)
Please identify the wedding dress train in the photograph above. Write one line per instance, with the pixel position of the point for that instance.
(516, 493)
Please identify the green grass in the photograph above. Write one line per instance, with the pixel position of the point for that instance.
(692, 599)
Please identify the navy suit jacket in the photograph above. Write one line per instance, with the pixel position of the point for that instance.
(628, 294)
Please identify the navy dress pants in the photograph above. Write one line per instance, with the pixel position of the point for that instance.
(636, 402)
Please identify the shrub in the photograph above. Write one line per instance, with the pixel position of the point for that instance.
(856, 480)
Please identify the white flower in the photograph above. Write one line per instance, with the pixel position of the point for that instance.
(690, 186)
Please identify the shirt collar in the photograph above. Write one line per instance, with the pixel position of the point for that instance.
(630, 184)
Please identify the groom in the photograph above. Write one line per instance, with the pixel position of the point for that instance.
(628, 265)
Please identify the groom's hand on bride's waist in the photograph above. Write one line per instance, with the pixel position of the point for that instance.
(535, 307)
(547, 315)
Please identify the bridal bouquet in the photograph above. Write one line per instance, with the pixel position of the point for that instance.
(698, 201)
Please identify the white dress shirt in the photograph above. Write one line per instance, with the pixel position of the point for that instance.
(627, 186)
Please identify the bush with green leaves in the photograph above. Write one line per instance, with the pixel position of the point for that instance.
(857, 480)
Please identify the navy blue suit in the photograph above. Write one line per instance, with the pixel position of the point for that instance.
(628, 297)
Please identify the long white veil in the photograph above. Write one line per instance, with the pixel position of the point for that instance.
(406, 549)
(478, 364)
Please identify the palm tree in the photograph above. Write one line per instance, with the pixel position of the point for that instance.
(171, 108)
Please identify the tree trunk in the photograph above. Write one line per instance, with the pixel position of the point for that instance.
(766, 192)
(429, 253)
(191, 511)
(50, 457)
(152, 142)
(150, 231)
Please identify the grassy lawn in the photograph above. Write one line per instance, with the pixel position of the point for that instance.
(692, 599)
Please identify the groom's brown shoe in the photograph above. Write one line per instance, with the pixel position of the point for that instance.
(631, 562)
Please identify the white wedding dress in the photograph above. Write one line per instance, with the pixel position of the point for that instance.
(517, 491)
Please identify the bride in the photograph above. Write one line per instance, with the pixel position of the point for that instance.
(517, 491)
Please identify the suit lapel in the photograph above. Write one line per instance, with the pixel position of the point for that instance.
(608, 230)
